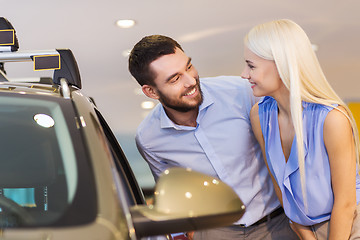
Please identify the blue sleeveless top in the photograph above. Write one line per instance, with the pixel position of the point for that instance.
(320, 197)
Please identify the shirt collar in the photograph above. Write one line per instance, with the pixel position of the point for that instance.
(263, 99)
(165, 121)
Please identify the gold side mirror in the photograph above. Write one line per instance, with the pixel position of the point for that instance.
(186, 200)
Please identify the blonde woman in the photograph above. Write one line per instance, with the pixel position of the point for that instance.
(307, 134)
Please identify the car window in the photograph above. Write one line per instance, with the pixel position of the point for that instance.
(39, 173)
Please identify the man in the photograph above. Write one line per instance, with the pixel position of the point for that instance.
(204, 125)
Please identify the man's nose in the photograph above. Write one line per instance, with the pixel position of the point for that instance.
(189, 80)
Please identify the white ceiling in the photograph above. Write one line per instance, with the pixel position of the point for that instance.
(210, 31)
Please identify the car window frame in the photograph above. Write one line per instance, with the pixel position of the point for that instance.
(122, 165)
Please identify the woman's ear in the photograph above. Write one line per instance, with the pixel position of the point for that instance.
(150, 91)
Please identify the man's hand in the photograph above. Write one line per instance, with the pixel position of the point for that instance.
(190, 235)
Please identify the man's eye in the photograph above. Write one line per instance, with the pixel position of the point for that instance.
(251, 66)
(189, 67)
(174, 79)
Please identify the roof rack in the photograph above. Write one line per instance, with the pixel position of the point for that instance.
(62, 61)
(65, 91)
(8, 39)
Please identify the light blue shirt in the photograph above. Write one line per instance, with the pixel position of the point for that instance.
(320, 197)
(222, 144)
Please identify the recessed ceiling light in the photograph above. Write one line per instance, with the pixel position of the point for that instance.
(147, 105)
(126, 52)
(315, 47)
(125, 23)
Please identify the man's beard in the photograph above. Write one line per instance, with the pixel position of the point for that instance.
(179, 105)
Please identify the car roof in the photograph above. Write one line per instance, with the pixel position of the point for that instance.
(30, 88)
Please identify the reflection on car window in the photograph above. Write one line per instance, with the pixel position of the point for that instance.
(38, 174)
(22, 196)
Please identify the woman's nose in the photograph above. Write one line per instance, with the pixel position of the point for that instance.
(245, 74)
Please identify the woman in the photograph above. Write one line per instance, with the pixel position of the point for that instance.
(307, 134)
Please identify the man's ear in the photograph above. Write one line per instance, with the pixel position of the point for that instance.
(150, 91)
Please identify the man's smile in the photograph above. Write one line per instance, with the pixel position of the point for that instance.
(191, 92)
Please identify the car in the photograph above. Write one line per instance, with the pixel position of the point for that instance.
(63, 174)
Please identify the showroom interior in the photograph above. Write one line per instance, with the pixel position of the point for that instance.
(211, 33)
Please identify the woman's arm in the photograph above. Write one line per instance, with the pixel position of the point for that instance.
(339, 143)
(256, 127)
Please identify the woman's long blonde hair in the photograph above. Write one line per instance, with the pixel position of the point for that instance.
(286, 43)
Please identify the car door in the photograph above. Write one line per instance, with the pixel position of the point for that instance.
(124, 175)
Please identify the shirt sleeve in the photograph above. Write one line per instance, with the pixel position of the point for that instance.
(153, 162)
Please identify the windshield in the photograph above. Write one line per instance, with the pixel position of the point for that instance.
(39, 169)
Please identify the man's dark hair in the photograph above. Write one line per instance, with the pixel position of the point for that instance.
(146, 51)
